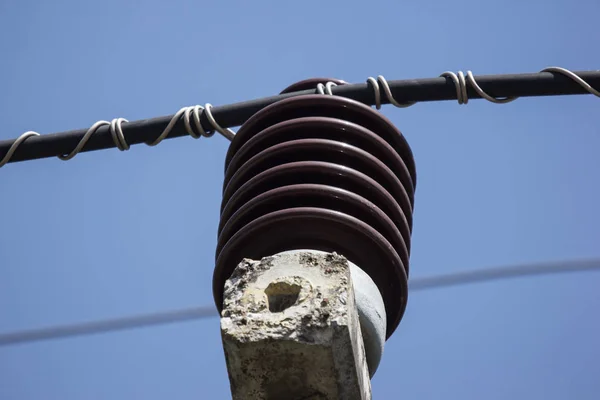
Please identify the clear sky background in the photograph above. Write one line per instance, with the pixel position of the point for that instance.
(112, 234)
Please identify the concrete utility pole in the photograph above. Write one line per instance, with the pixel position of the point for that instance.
(290, 328)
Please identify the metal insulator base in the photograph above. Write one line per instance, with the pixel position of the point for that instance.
(324, 173)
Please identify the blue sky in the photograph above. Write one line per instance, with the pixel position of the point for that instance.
(112, 233)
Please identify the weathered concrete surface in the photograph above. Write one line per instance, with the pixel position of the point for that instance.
(290, 330)
(371, 313)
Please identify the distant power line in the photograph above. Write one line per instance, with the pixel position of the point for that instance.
(191, 314)
(109, 325)
(492, 274)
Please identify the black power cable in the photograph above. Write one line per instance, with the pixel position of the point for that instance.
(191, 314)
(404, 91)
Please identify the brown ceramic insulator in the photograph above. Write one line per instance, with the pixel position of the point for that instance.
(324, 173)
(324, 106)
(319, 150)
(324, 196)
(312, 195)
(324, 128)
(321, 173)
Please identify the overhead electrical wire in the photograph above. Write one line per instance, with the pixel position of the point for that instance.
(494, 274)
(196, 313)
(122, 134)
(109, 325)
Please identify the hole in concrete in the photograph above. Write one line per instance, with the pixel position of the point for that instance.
(282, 295)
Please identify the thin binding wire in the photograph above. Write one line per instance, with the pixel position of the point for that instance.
(116, 130)
(388, 92)
(461, 83)
(326, 88)
(16, 144)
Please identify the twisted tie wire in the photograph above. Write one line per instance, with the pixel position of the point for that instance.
(461, 83)
(191, 114)
(191, 119)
